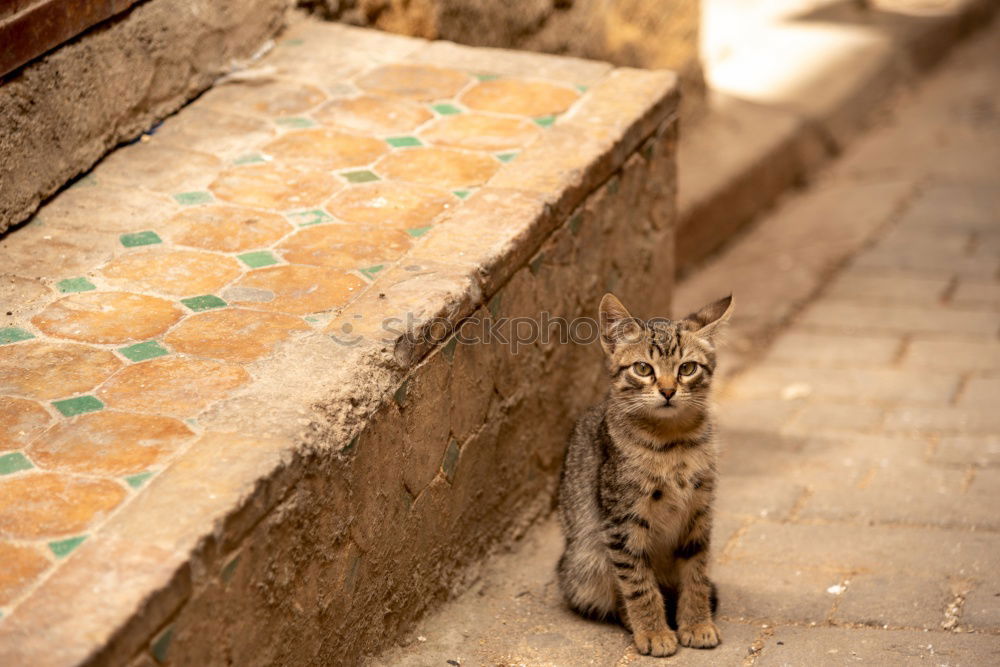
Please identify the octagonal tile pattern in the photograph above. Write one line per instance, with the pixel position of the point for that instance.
(149, 290)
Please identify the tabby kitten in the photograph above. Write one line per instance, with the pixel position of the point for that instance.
(635, 496)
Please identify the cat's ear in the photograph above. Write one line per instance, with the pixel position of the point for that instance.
(709, 320)
(616, 324)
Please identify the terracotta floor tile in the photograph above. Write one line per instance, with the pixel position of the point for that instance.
(225, 228)
(373, 114)
(174, 272)
(21, 420)
(107, 317)
(300, 290)
(391, 204)
(233, 334)
(22, 565)
(415, 82)
(345, 246)
(271, 98)
(524, 98)
(49, 505)
(109, 443)
(274, 186)
(44, 370)
(440, 167)
(325, 149)
(178, 386)
(479, 131)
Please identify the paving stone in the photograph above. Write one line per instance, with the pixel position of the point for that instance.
(953, 206)
(44, 370)
(982, 607)
(846, 383)
(967, 355)
(774, 594)
(819, 349)
(760, 414)
(889, 600)
(837, 646)
(968, 450)
(902, 319)
(887, 288)
(833, 417)
(106, 208)
(933, 419)
(172, 385)
(972, 294)
(930, 261)
(109, 443)
(905, 550)
(981, 391)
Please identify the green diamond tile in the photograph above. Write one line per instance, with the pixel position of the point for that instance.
(63, 548)
(545, 121)
(161, 645)
(137, 480)
(13, 335)
(402, 142)
(15, 462)
(149, 349)
(87, 181)
(140, 238)
(249, 158)
(70, 407)
(203, 302)
(372, 270)
(258, 258)
(536, 264)
(446, 109)
(192, 198)
(350, 446)
(461, 194)
(417, 232)
(582, 88)
(75, 285)
(450, 460)
(361, 176)
(295, 122)
(486, 76)
(311, 217)
(400, 394)
(575, 223)
(506, 157)
(295, 41)
(449, 349)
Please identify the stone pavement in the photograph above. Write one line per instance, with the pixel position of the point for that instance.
(860, 482)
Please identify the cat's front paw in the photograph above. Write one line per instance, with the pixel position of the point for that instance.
(658, 644)
(700, 635)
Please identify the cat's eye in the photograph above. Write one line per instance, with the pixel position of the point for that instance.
(687, 368)
(642, 369)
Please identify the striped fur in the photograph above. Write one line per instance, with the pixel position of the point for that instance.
(635, 496)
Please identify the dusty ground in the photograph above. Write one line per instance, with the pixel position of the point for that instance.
(861, 469)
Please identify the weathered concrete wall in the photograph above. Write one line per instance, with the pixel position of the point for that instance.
(62, 112)
(653, 34)
(462, 457)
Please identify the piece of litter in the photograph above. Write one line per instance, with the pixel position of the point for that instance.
(421, 638)
(836, 589)
(797, 390)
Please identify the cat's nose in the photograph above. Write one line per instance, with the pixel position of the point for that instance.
(668, 393)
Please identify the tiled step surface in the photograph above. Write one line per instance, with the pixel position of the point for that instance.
(170, 319)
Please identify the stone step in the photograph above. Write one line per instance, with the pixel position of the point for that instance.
(238, 424)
